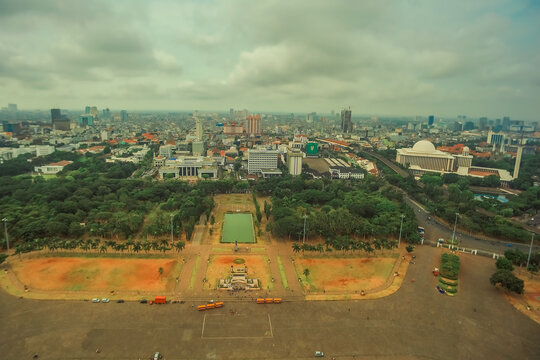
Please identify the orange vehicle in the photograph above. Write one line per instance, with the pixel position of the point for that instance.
(268, 300)
(219, 304)
(210, 306)
(277, 300)
(201, 307)
(160, 300)
(260, 301)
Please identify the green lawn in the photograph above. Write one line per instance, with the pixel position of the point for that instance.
(238, 227)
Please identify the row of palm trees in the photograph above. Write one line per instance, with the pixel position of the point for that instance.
(345, 244)
(132, 246)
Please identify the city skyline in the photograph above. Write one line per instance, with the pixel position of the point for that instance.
(380, 58)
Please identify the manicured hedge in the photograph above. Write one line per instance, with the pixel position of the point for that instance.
(446, 282)
(449, 266)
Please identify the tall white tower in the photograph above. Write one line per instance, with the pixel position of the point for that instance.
(198, 129)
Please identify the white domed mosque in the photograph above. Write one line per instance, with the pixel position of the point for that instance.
(423, 157)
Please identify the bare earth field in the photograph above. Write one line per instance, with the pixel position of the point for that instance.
(220, 268)
(73, 274)
(342, 274)
(529, 302)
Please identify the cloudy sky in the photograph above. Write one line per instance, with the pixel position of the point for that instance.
(415, 57)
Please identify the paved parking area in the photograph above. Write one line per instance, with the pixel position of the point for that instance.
(414, 323)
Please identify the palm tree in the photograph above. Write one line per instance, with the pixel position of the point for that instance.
(103, 248)
(295, 247)
(146, 246)
(179, 246)
(154, 245)
(164, 242)
(137, 246)
(306, 272)
(320, 248)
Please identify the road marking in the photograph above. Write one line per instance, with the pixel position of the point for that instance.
(203, 323)
(270, 323)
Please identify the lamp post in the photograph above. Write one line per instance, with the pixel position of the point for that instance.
(400, 228)
(530, 250)
(172, 234)
(304, 238)
(5, 220)
(454, 232)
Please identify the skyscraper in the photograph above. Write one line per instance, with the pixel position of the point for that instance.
(346, 123)
(59, 122)
(483, 123)
(253, 125)
(198, 129)
(431, 120)
(123, 115)
(506, 123)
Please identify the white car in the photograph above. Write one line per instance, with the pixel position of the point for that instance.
(158, 356)
(319, 354)
(95, 300)
(105, 300)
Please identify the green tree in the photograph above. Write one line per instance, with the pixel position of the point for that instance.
(306, 272)
(504, 264)
(507, 280)
(296, 247)
(409, 248)
(3, 257)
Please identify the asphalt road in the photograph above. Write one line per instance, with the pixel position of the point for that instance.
(435, 230)
(414, 323)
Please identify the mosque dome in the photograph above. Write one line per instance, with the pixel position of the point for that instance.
(424, 146)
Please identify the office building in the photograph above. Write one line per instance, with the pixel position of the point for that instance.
(483, 123)
(346, 123)
(260, 159)
(166, 151)
(123, 115)
(431, 120)
(506, 123)
(59, 122)
(12, 107)
(197, 148)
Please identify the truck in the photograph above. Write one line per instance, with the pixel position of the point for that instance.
(160, 300)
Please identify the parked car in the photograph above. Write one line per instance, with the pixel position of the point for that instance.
(96, 300)
(143, 301)
(158, 356)
(319, 354)
(105, 300)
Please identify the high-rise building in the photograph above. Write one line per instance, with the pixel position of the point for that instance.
(59, 122)
(294, 161)
(12, 107)
(483, 123)
(231, 114)
(431, 120)
(198, 129)
(56, 114)
(310, 118)
(123, 115)
(346, 123)
(261, 159)
(87, 110)
(253, 125)
(506, 123)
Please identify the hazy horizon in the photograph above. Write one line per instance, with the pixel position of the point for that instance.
(382, 58)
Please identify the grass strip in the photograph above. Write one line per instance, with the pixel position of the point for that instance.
(282, 273)
(258, 249)
(194, 272)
